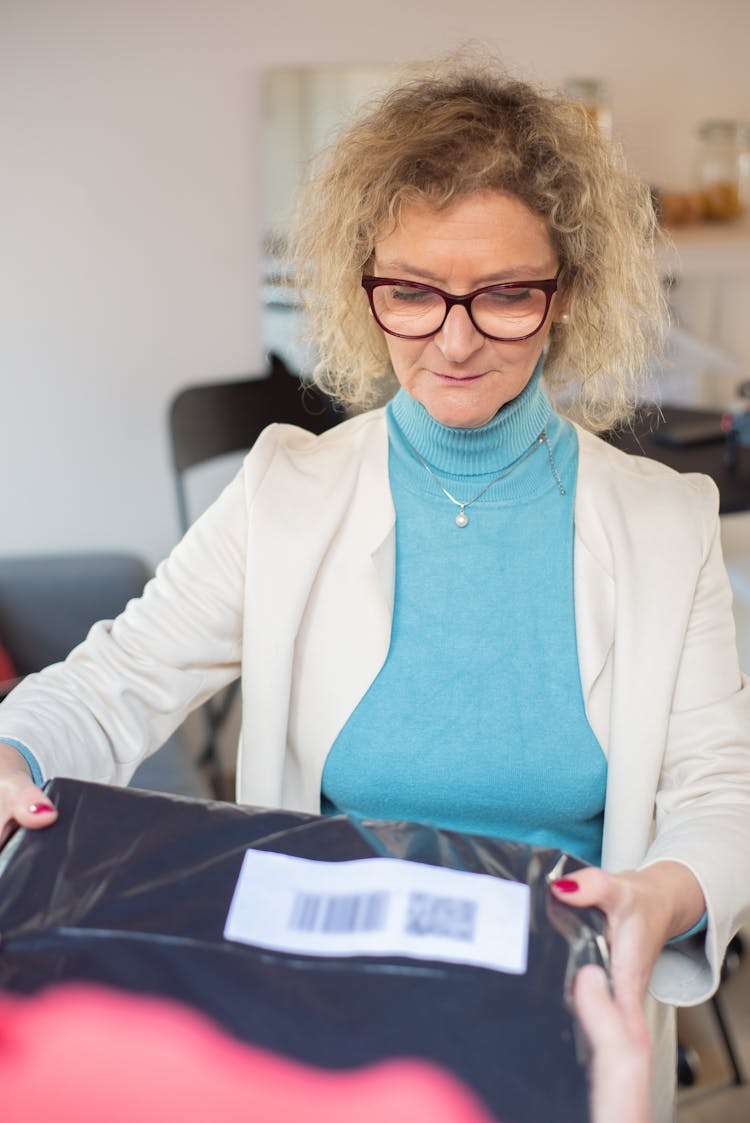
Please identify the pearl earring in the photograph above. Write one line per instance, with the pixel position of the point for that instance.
(564, 318)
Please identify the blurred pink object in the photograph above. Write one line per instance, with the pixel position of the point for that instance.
(81, 1054)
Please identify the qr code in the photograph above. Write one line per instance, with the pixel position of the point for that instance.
(451, 917)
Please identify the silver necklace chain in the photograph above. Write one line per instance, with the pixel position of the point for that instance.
(462, 519)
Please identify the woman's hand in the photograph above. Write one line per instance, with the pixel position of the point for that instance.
(21, 801)
(621, 1053)
(644, 909)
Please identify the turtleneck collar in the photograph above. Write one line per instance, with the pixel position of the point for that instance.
(488, 448)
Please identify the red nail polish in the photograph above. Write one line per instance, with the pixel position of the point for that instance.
(38, 808)
(566, 885)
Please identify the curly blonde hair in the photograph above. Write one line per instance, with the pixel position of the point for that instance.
(449, 132)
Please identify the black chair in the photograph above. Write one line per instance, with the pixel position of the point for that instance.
(216, 418)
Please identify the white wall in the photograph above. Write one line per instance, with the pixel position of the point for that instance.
(129, 187)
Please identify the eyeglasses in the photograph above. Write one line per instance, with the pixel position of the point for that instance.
(509, 312)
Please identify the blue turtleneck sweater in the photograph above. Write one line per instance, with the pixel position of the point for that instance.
(476, 721)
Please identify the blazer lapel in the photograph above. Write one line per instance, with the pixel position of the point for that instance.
(594, 594)
(344, 632)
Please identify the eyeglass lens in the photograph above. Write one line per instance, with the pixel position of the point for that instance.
(508, 312)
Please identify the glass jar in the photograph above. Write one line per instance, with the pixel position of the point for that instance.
(594, 96)
(724, 169)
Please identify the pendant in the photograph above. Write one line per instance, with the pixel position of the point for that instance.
(462, 519)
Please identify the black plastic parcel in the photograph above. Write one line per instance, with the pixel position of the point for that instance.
(132, 888)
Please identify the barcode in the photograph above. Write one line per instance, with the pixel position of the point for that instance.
(452, 917)
(312, 912)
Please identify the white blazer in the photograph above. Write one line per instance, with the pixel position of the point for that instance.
(289, 580)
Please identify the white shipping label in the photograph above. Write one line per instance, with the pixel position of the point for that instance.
(379, 906)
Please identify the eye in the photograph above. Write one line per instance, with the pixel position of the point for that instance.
(501, 297)
(409, 295)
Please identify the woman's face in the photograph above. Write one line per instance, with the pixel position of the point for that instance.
(459, 376)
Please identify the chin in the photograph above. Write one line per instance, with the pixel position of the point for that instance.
(462, 415)
(464, 421)
(466, 407)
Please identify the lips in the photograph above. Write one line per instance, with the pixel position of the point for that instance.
(457, 377)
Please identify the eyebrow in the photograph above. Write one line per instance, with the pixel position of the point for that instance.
(405, 271)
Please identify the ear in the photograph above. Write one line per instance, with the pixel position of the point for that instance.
(560, 314)
(560, 302)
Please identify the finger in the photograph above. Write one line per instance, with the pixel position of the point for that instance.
(601, 1016)
(589, 886)
(621, 1064)
(31, 808)
(596, 1008)
(629, 994)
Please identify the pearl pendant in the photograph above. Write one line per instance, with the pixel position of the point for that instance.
(462, 519)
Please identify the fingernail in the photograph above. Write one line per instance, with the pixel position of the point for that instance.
(39, 808)
(566, 885)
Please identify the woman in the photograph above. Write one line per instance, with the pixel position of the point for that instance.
(461, 608)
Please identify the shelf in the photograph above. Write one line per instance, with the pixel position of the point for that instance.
(707, 250)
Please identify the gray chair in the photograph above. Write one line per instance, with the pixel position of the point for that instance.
(48, 602)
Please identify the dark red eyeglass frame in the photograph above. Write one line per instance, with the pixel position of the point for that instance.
(549, 287)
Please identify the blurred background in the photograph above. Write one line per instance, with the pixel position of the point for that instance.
(146, 148)
(149, 151)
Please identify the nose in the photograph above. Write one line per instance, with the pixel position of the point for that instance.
(458, 339)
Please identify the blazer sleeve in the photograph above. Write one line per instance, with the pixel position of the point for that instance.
(121, 693)
(703, 800)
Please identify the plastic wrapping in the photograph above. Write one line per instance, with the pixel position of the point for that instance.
(132, 889)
